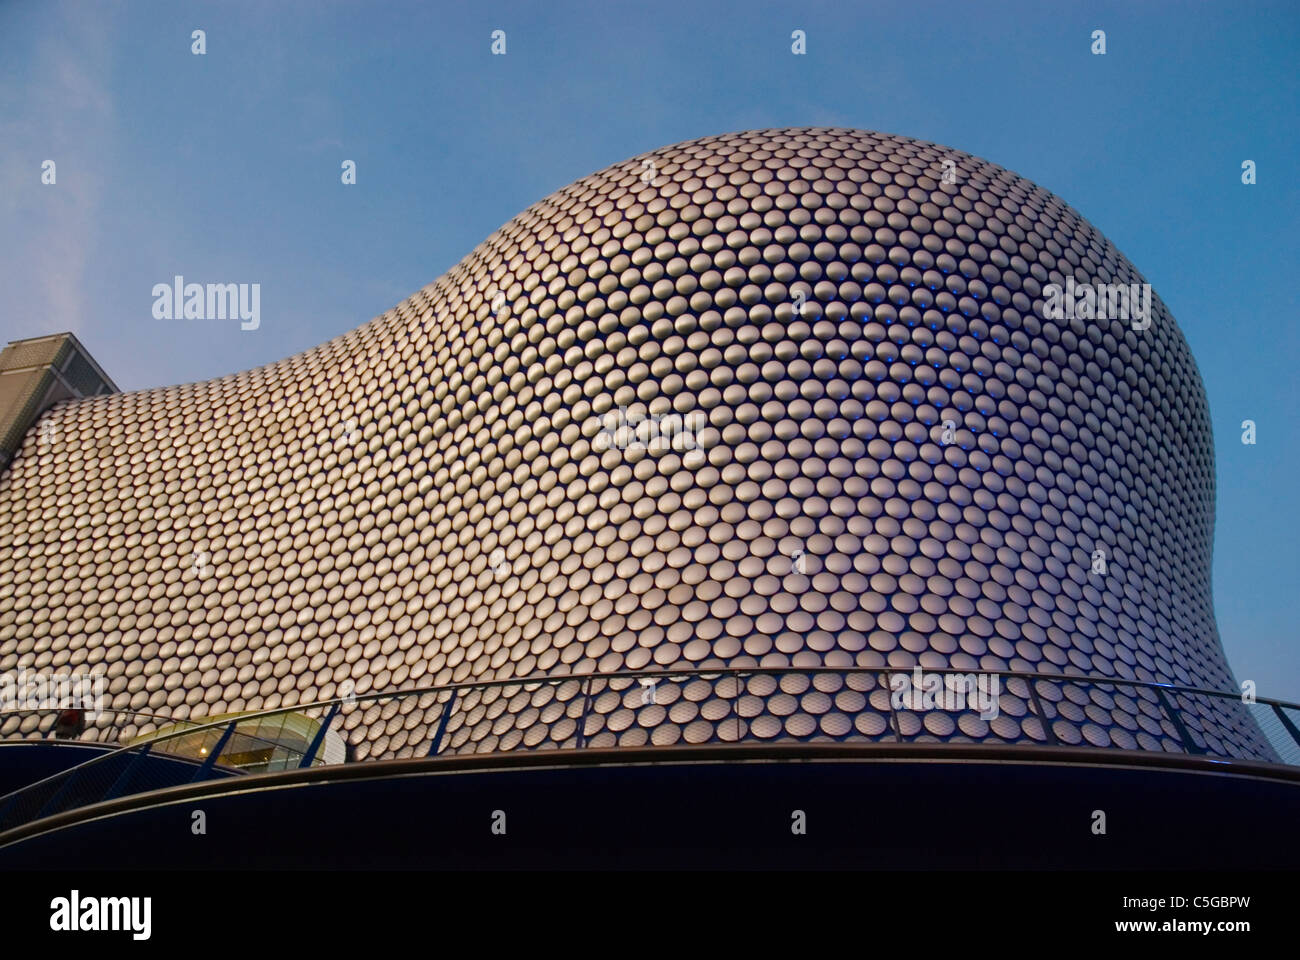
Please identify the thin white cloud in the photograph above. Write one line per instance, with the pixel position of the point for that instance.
(57, 108)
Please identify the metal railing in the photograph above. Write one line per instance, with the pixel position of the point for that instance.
(708, 706)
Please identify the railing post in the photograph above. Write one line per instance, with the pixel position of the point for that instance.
(202, 772)
(119, 786)
(310, 755)
(442, 724)
(735, 701)
(1168, 708)
(1286, 722)
(1048, 733)
(586, 705)
(893, 716)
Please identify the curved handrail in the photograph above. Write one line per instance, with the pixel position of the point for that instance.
(143, 747)
(701, 673)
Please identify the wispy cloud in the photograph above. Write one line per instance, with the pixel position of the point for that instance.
(55, 106)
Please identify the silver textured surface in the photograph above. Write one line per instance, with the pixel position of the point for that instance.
(429, 499)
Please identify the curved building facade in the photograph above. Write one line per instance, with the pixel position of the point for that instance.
(796, 398)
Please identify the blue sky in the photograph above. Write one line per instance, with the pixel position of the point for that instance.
(226, 168)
